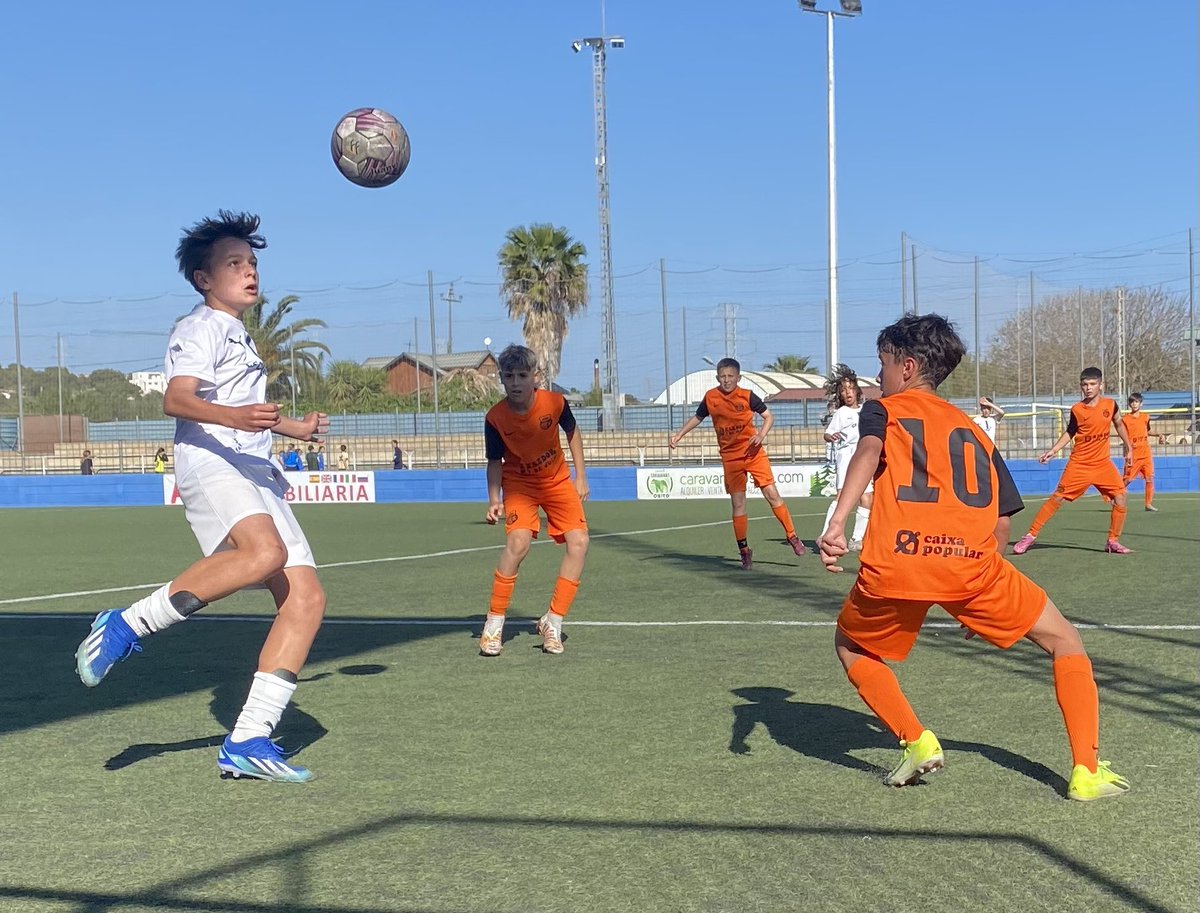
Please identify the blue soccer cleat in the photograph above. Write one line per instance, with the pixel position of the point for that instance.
(259, 758)
(110, 641)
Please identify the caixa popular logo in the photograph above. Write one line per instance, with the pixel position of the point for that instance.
(659, 484)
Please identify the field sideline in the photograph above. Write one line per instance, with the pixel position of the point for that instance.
(697, 748)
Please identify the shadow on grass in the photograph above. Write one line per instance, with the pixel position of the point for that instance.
(296, 860)
(1134, 687)
(831, 733)
(203, 655)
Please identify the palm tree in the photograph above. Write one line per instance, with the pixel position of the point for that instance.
(544, 282)
(791, 364)
(287, 357)
(352, 387)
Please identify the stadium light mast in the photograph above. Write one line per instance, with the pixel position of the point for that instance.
(608, 317)
(850, 9)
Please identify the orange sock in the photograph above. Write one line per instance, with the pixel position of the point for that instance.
(785, 520)
(1049, 509)
(1116, 522)
(502, 590)
(740, 526)
(564, 595)
(1079, 701)
(1149, 492)
(879, 689)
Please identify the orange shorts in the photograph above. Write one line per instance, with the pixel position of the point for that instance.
(1076, 481)
(755, 464)
(560, 502)
(1002, 614)
(1138, 466)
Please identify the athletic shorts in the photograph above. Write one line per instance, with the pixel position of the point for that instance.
(755, 464)
(215, 499)
(1076, 481)
(1002, 614)
(1138, 466)
(560, 503)
(841, 462)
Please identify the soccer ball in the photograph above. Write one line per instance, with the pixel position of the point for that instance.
(370, 147)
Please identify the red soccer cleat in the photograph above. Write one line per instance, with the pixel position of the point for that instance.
(747, 559)
(1116, 548)
(797, 546)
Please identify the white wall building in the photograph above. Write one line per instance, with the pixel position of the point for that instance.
(149, 381)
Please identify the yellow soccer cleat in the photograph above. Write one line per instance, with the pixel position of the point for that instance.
(1086, 786)
(921, 757)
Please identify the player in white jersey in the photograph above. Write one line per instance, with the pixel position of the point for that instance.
(842, 435)
(232, 493)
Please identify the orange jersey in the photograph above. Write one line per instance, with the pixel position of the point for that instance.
(939, 491)
(528, 443)
(1137, 424)
(732, 416)
(1090, 428)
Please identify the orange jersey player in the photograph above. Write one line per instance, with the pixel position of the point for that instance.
(526, 472)
(1140, 461)
(943, 497)
(1090, 463)
(740, 443)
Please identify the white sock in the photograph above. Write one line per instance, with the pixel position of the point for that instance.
(861, 516)
(829, 514)
(555, 621)
(493, 624)
(152, 614)
(268, 698)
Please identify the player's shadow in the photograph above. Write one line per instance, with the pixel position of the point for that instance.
(297, 729)
(831, 733)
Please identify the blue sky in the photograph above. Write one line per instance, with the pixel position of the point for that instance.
(1054, 137)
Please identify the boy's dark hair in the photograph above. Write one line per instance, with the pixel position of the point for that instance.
(1135, 397)
(928, 339)
(517, 358)
(1092, 373)
(729, 363)
(833, 384)
(195, 247)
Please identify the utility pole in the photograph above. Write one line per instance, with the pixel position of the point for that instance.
(903, 272)
(1121, 391)
(608, 317)
(60, 404)
(729, 312)
(450, 300)
(662, 283)
(417, 362)
(20, 387)
(1032, 343)
(912, 249)
(437, 416)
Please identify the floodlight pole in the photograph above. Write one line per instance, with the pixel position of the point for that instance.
(831, 308)
(608, 317)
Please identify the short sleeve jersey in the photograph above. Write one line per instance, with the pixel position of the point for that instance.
(732, 416)
(1090, 428)
(845, 423)
(1138, 426)
(217, 349)
(988, 424)
(939, 489)
(528, 443)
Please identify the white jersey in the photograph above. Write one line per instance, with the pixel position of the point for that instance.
(845, 423)
(988, 424)
(216, 348)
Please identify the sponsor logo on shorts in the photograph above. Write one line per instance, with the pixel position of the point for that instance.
(511, 519)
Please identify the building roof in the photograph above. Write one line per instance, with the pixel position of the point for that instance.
(767, 384)
(454, 360)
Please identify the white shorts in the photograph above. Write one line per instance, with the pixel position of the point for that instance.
(841, 462)
(215, 499)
